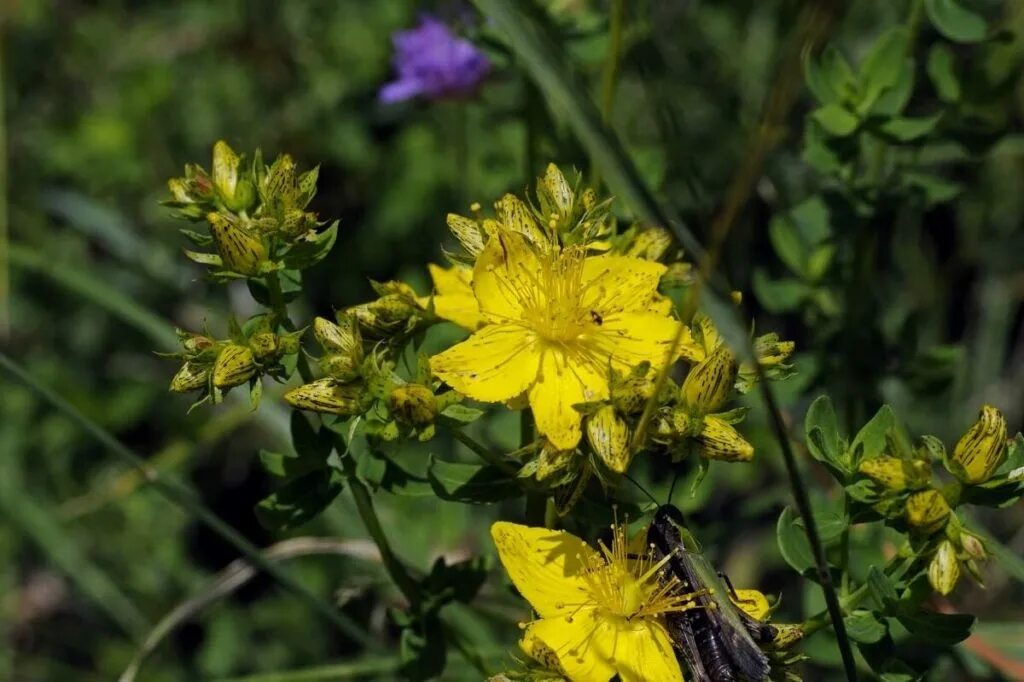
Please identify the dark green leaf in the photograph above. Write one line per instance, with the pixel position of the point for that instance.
(909, 129)
(883, 66)
(822, 431)
(459, 414)
(309, 253)
(288, 465)
(793, 544)
(936, 189)
(459, 581)
(883, 590)
(936, 628)
(309, 441)
(894, 99)
(871, 439)
(788, 245)
(470, 483)
(779, 295)
(423, 650)
(299, 500)
(955, 21)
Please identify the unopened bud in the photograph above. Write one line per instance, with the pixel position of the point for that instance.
(927, 511)
(235, 365)
(555, 194)
(338, 338)
(944, 568)
(651, 244)
(973, 546)
(894, 473)
(339, 366)
(719, 440)
(678, 274)
(787, 634)
(770, 351)
(296, 221)
(239, 250)
(190, 377)
(413, 404)
(608, 435)
(708, 384)
(751, 602)
(225, 170)
(468, 232)
(264, 345)
(982, 449)
(327, 396)
(630, 395)
(384, 316)
(196, 343)
(552, 462)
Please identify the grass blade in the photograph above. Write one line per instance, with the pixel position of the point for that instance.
(181, 495)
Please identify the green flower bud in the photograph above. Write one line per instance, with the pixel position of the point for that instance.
(556, 196)
(340, 367)
(327, 396)
(651, 244)
(927, 511)
(296, 221)
(787, 634)
(291, 342)
(552, 463)
(239, 250)
(944, 568)
(264, 345)
(413, 404)
(973, 546)
(770, 351)
(235, 365)
(190, 377)
(678, 274)
(675, 424)
(608, 435)
(982, 449)
(719, 440)
(197, 343)
(385, 316)
(338, 338)
(708, 384)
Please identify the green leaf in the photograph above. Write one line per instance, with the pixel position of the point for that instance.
(936, 189)
(291, 287)
(909, 129)
(818, 81)
(882, 588)
(836, 120)
(883, 66)
(457, 582)
(862, 626)
(423, 650)
(787, 244)
(942, 72)
(288, 465)
(936, 628)
(870, 441)
(299, 500)
(305, 254)
(308, 441)
(893, 99)
(956, 22)
(793, 543)
(830, 526)
(821, 429)
(460, 415)
(204, 258)
(470, 483)
(779, 295)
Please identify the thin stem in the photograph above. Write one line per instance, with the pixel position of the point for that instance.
(182, 496)
(5, 272)
(484, 453)
(803, 505)
(364, 505)
(609, 76)
(822, 619)
(844, 549)
(279, 313)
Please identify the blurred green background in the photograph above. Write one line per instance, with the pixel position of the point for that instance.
(105, 100)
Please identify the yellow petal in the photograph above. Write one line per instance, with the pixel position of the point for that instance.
(627, 339)
(506, 270)
(497, 363)
(591, 648)
(573, 642)
(621, 283)
(546, 566)
(462, 310)
(565, 379)
(454, 280)
(752, 602)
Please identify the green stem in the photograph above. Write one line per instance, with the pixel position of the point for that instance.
(182, 496)
(609, 76)
(279, 315)
(822, 619)
(484, 453)
(5, 272)
(364, 505)
(803, 505)
(844, 549)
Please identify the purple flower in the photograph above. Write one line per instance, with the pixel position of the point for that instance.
(433, 62)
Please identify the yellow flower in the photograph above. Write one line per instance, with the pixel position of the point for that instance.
(982, 449)
(556, 322)
(600, 613)
(453, 296)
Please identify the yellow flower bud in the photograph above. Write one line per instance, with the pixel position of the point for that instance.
(327, 396)
(239, 250)
(770, 351)
(339, 366)
(719, 440)
(894, 473)
(413, 404)
(608, 435)
(555, 194)
(234, 366)
(385, 316)
(973, 546)
(678, 275)
(708, 384)
(225, 170)
(651, 244)
(190, 377)
(927, 511)
(552, 462)
(264, 345)
(338, 338)
(196, 343)
(753, 603)
(296, 221)
(787, 634)
(468, 232)
(515, 216)
(982, 449)
(944, 569)
(630, 395)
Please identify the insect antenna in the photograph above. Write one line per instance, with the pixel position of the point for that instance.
(672, 487)
(642, 489)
